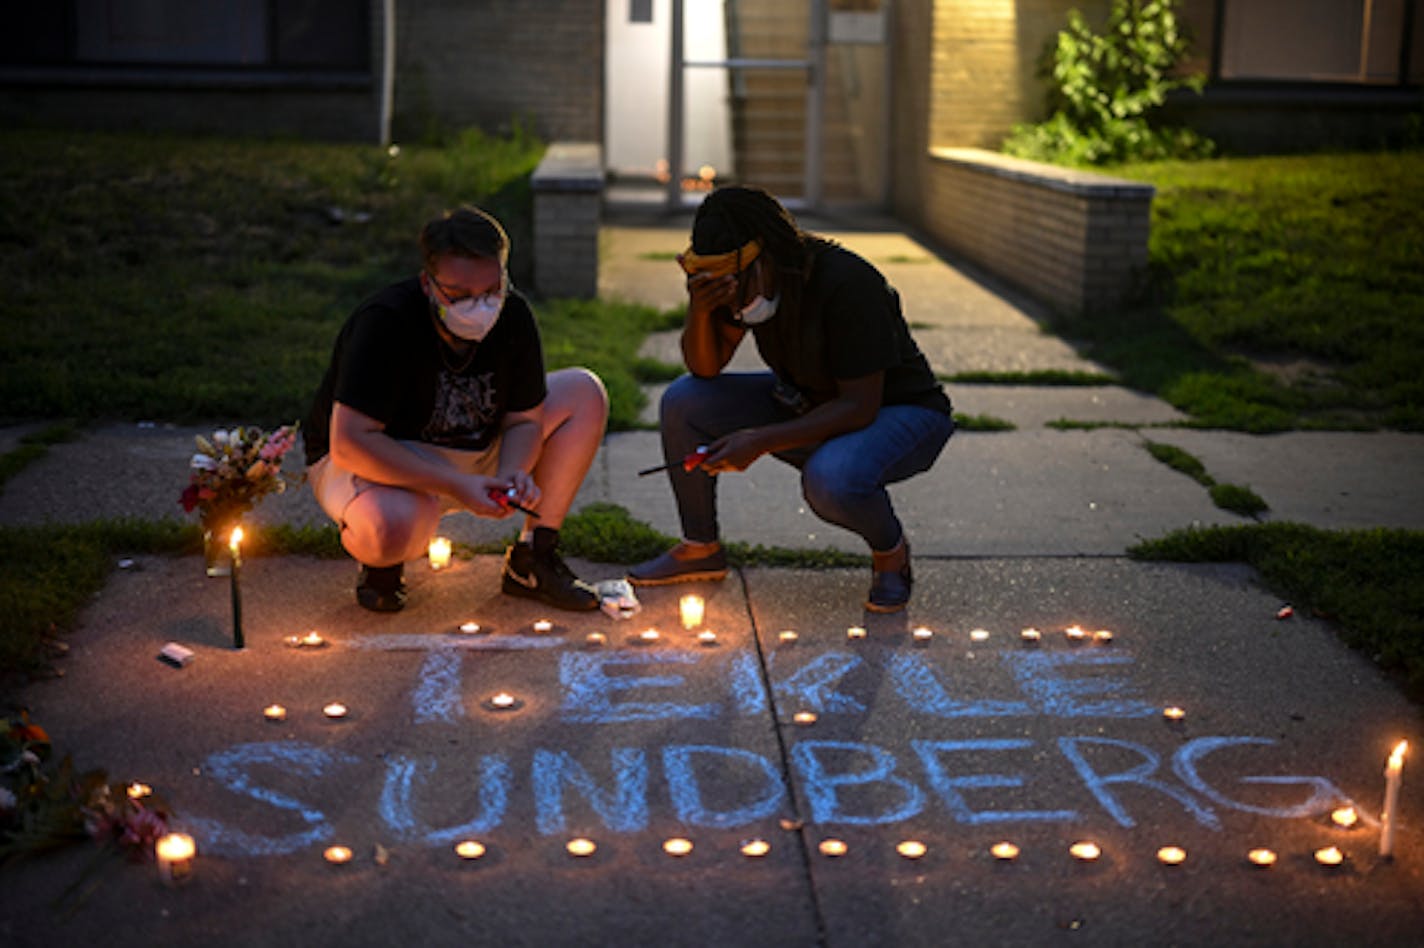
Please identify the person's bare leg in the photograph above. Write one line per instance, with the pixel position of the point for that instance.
(575, 416)
(385, 526)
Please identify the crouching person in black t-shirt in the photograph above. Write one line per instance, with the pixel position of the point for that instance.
(436, 400)
(850, 400)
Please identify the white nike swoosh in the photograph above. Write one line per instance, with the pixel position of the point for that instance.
(528, 582)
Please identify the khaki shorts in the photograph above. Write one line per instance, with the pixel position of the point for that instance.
(335, 487)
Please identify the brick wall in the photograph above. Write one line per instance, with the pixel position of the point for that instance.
(489, 62)
(1075, 239)
(568, 201)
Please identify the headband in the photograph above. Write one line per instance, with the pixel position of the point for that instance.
(720, 264)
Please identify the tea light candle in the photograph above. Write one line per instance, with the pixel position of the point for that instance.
(502, 701)
(1262, 858)
(979, 635)
(174, 853)
(1005, 851)
(336, 710)
(1330, 856)
(1031, 636)
(834, 848)
(1085, 851)
(470, 628)
(804, 717)
(274, 713)
(1173, 713)
(439, 553)
(1075, 634)
(755, 848)
(1171, 855)
(788, 636)
(469, 849)
(596, 638)
(1344, 817)
(581, 847)
(542, 626)
(137, 791)
(855, 632)
(1389, 818)
(1103, 636)
(337, 855)
(691, 609)
(911, 849)
(677, 846)
(921, 634)
(648, 636)
(707, 637)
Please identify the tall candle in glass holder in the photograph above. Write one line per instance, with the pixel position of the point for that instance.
(692, 609)
(174, 854)
(1389, 819)
(439, 553)
(235, 545)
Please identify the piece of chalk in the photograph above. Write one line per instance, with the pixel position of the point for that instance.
(175, 655)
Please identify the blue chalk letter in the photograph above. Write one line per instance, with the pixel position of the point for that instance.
(948, 787)
(625, 810)
(403, 778)
(686, 790)
(823, 787)
(1139, 775)
(589, 690)
(922, 691)
(1324, 795)
(1039, 677)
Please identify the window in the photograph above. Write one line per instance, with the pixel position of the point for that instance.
(1350, 41)
(304, 35)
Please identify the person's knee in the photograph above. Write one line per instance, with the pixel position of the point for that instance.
(382, 528)
(681, 398)
(580, 392)
(831, 490)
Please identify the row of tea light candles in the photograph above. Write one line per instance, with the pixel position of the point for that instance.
(175, 852)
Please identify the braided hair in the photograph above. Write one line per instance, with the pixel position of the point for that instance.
(731, 216)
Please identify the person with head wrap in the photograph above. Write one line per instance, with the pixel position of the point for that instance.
(436, 400)
(849, 399)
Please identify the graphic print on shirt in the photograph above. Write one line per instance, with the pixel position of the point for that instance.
(464, 408)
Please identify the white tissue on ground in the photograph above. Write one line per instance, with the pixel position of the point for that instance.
(615, 597)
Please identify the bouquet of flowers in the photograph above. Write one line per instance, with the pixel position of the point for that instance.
(231, 472)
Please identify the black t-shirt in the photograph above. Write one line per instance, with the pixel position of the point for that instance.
(389, 362)
(849, 325)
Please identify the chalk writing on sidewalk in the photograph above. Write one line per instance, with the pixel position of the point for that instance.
(937, 774)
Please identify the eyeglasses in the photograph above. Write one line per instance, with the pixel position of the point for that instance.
(489, 296)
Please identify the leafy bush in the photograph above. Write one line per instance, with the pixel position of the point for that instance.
(1105, 84)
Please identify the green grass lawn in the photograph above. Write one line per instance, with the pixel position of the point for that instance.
(1286, 292)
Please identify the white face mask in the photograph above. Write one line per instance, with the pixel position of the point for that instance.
(759, 310)
(472, 317)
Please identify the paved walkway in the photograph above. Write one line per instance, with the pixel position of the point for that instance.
(961, 740)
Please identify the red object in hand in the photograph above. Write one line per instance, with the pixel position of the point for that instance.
(695, 459)
(505, 498)
(689, 463)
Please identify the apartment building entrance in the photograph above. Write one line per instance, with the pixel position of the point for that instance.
(789, 95)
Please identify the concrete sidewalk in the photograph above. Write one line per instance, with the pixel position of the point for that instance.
(960, 740)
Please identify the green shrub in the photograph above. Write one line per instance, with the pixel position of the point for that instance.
(1104, 86)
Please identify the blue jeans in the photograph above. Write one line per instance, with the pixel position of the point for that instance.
(843, 479)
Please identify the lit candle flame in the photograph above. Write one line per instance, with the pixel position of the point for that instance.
(691, 609)
(1262, 857)
(834, 848)
(788, 636)
(1031, 636)
(137, 791)
(502, 701)
(1085, 851)
(470, 628)
(543, 625)
(1344, 816)
(677, 846)
(596, 638)
(469, 849)
(979, 635)
(234, 542)
(1004, 850)
(1396, 758)
(337, 855)
(1171, 855)
(1173, 713)
(581, 847)
(804, 717)
(174, 854)
(1103, 636)
(439, 553)
(274, 712)
(855, 632)
(648, 635)
(1075, 633)
(755, 848)
(911, 849)
(335, 710)
(921, 633)
(312, 639)
(707, 637)
(1329, 856)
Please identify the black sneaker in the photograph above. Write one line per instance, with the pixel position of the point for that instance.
(547, 578)
(382, 588)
